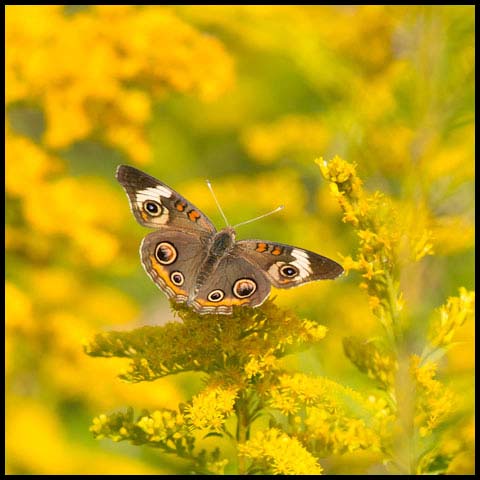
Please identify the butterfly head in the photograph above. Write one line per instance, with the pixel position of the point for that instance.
(223, 241)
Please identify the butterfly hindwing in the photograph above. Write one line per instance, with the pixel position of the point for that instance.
(234, 282)
(172, 258)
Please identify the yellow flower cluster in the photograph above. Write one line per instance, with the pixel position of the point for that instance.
(451, 317)
(321, 417)
(239, 347)
(209, 409)
(434, 402)
(217, 467)
(161, 425)
(379, 224)
(86, 228)
(377, 363)
(98, 425)
(301, 389)
(165, 429)
(174, 431)
(118, 69)
(26, 165)
(259, 365)
(345, 186)
(280, 454)
(338, 433)
(239, 353)
(46, 207)
(388, 237)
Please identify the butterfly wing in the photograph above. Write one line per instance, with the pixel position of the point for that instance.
(287, 266)
(155, 204)
(172, 259)
(234, 282)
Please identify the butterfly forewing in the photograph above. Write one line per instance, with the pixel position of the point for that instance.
(287, 266)
(155, 204)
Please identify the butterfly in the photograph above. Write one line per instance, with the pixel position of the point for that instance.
(209, 270)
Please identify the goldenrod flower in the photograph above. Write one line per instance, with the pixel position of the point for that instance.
(161, 425)
(434, 402)
(450, 317)
(384, 231)
(328, 420)
(245, 344)
(260, 365)
(77, 99)
(217, 467)
(209, 409)
(280, 454)
(390, 235)
(372, 359)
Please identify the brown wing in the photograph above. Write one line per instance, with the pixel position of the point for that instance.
(287, 266)
(155, 204)
(172, 259)
(235, 281)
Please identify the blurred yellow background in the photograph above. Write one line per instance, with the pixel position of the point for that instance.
(248, 97)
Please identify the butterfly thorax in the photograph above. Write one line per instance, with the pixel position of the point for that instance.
(221, 244)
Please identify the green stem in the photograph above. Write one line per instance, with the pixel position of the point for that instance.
(404, 388)
(241, 409)
(392, 295)
(405, 401)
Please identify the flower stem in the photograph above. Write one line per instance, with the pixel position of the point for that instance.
(241, 409)
(405, 402)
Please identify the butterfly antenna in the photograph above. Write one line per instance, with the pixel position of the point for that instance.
(216, 201)
(280, 207)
